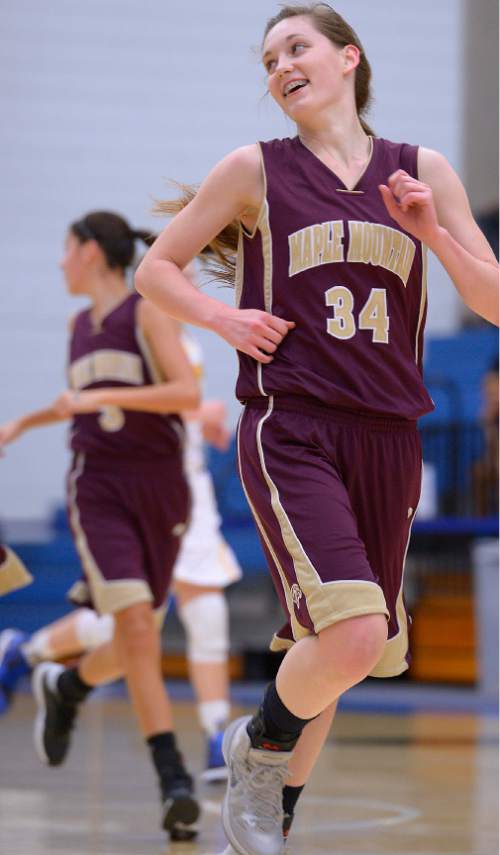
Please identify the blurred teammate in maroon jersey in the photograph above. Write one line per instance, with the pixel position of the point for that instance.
(330, 230)
(128, 498)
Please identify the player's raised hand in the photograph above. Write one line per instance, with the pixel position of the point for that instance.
(410, 203)
(254, 332)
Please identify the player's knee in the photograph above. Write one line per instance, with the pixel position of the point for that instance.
(92, 629)
(136, 630)
(205, 620)
(353, 647)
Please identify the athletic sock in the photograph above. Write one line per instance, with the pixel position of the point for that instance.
(274, 727)
(279, 722)
(164, 753)
(71, 687)
(38, 648)
(290, 798)
(213, 715)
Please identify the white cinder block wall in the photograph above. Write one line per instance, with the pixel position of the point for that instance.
(102, 100)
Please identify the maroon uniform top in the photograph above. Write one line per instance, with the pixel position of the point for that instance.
(335, 262)
(117, 354)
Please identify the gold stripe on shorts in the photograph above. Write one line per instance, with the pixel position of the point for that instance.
(106, 596)
(327, 602)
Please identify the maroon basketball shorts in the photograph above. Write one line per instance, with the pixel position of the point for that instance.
(127, 518)
(334, 495)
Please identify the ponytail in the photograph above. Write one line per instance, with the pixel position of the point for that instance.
(115, 237)
(218, 258)
(146, 236)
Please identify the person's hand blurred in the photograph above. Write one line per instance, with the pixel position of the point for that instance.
(212, 417)
(9, 432)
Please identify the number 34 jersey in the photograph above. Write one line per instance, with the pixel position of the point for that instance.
(332, 259)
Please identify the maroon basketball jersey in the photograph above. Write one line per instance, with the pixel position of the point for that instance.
(333, 260)
(117, 354)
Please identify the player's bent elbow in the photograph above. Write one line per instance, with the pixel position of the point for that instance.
(142, 279)
(151, 272)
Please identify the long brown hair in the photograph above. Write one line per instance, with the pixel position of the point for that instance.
(219, 257)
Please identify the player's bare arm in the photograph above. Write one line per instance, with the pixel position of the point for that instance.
(176, 388)
(12, 430)
(234, 190)
(436, 210)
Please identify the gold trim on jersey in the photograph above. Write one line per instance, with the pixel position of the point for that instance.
(106, 596)
(267, 257)
(251, 235)
(148, 356)
(368, 163)
(267, 283)
(423, 299)
(327, 602)
(239, 276)
(106, 365)
(262, 225)
(335, 174)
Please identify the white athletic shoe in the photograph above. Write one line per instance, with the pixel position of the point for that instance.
(252, 813)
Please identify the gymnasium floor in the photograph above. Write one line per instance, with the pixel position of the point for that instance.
(399, 785)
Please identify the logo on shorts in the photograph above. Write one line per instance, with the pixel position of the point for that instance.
(179, 529)
(296, 595)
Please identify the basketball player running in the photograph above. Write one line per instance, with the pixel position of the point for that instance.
(127, 495)
(204, 567)
(333, 230)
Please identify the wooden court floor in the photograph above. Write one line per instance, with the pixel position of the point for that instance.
(412, 785)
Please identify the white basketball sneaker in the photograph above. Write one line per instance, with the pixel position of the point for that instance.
(252, 813)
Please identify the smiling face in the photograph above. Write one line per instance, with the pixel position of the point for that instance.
(307, 73)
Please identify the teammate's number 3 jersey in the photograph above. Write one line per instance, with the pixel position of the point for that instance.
(117, 354)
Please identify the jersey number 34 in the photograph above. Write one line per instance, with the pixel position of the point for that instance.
(373, 316)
